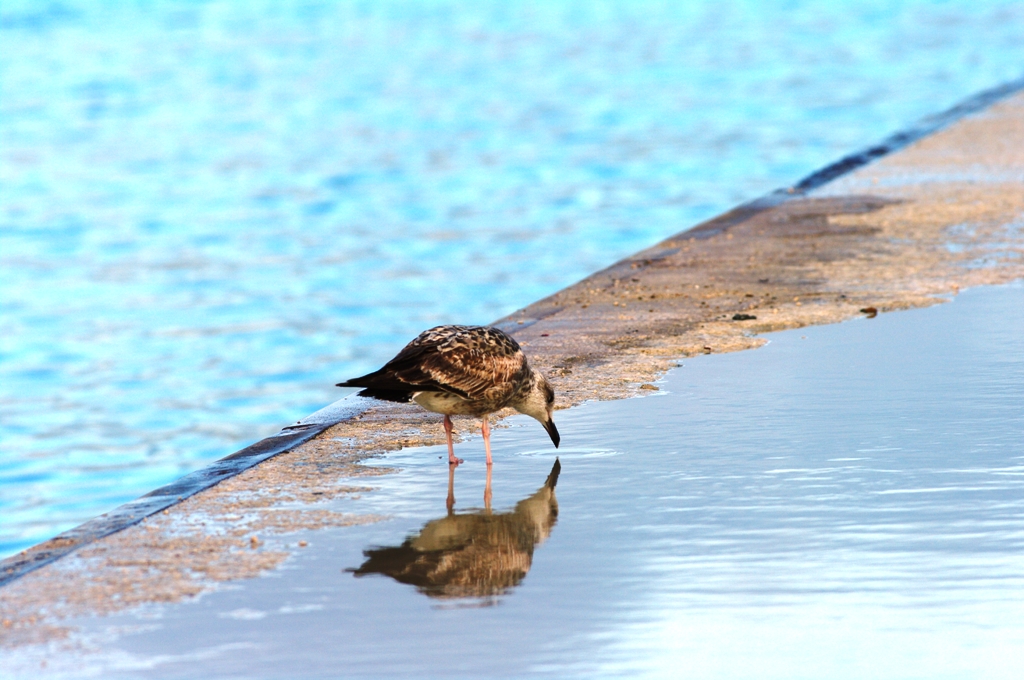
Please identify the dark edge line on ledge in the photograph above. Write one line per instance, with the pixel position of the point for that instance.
(133, 512)
(847, 164)
(741, 213)
(923, 128)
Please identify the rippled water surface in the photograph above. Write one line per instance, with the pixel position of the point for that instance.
(211, 212)
(845, 502)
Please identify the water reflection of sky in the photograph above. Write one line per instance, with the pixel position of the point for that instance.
(212, 212)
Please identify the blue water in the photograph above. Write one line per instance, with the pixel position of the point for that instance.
(211, 212)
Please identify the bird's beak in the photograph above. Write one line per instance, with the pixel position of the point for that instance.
(552, 431)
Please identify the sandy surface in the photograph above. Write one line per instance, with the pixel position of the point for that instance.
(920, 224)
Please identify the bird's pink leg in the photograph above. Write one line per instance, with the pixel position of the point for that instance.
(450, 502)
(452, 460)
(487, 440)
(487, 491)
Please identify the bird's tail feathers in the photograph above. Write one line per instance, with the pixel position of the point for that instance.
(385, 395)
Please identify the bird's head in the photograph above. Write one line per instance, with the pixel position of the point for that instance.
(538, 402)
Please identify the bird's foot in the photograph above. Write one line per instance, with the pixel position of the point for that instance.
(455, 461)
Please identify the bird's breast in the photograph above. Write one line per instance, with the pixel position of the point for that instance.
(448, 404)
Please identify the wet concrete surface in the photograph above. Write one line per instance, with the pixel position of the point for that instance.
(941, 215)
(846, 501)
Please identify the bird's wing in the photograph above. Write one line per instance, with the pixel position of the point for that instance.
(477, 373)
(474, 363)
(421, 367)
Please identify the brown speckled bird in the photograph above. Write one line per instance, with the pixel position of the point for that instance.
(474, 554)
(463, 370)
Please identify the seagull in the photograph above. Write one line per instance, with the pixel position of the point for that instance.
(474, 554)
(463, 370)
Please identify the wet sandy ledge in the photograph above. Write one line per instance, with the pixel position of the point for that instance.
(908, 230)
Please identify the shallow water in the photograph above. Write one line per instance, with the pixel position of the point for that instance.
(212, 212)
(845, 502)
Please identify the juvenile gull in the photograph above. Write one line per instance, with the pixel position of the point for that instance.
(463, 370)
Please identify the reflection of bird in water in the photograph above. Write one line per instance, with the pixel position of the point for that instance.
(463, 370)
(476, 554)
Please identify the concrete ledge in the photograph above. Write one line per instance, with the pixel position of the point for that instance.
(923, 214)
(160, 499)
